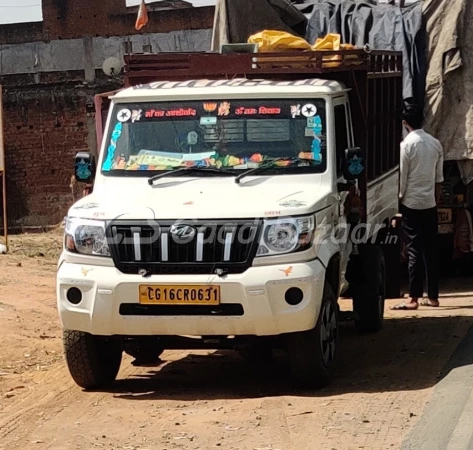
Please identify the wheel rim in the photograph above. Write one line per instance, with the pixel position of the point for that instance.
(328, 333)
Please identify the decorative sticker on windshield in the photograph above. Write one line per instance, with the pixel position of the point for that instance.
(117, 131)
(242, 111)
(309, 110)
(210, 107)
(208, 120)
(295, 111)
(316, 149)
(181, 112)
(124, 115)
(136, 115)
(224, 109)
(317, 126)
(192, 138)
(309, 132)
(306, 155)
(317, 142)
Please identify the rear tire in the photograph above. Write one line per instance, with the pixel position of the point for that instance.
(93, 361)
(369, 293)
(312, 353)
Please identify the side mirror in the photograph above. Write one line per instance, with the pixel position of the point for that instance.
(353, 165)
(84, 167)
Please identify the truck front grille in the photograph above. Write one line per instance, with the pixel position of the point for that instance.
(184, 247)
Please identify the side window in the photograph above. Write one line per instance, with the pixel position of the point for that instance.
(341, 136)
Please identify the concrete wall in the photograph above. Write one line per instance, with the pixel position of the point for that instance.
(71, 54)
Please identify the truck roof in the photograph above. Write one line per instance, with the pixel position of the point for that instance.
(205, 88)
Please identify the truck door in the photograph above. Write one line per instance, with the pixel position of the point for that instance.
(343, 140)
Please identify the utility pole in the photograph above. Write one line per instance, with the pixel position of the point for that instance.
(2, 171)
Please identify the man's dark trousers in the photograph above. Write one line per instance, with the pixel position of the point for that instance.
(420, 228)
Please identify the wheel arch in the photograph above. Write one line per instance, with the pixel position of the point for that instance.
(332, 274)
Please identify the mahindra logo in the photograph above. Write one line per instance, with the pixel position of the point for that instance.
(183, 232)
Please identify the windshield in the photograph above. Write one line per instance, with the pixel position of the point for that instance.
(230, 135)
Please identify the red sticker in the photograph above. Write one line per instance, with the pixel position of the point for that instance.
(154, 113)
(181, 112)
(242, 111)
(264, 110)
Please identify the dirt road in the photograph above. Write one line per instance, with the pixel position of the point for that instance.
(207, 400)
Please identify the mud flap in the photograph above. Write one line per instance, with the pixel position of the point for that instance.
(389, 240)
(367, 287)
(355, 274)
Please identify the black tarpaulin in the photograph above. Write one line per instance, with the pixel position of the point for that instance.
(236, 20)
(382, 27)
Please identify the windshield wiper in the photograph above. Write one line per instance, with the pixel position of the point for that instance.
(190, 169)
(271, 164)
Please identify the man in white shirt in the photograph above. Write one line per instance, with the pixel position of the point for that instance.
(421, 178)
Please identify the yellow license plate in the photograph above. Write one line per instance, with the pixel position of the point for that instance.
(179, 295)
(444, 215)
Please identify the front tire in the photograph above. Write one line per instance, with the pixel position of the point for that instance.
(312, 353)
(93, 361)
(369, 293)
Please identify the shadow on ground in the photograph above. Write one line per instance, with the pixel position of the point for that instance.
(408, 354)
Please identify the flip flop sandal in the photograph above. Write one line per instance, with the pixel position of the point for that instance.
(427, 303)
(402, 307)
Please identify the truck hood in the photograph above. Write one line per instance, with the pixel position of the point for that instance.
(203, 198)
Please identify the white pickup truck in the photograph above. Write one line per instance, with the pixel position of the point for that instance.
(226, 210)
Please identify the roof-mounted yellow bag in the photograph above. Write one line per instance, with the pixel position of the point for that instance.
(275, 41)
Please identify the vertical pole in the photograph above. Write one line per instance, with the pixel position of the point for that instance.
(5, 221)
(2, 166)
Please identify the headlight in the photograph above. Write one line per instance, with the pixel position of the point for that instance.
(86, 237)
(286, 236)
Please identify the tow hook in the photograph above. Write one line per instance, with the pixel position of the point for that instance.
(145, 273)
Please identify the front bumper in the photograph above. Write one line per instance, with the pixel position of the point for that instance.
(260, 291)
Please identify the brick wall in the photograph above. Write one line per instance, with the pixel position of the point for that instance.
(43, 131)
(72, 19)
(18, 33)
(67, 19)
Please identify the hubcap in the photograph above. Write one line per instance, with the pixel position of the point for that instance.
(328, 333)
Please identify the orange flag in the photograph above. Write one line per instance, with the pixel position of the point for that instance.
(142, 18)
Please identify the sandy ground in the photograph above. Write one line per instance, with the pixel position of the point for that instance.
(206, 400)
